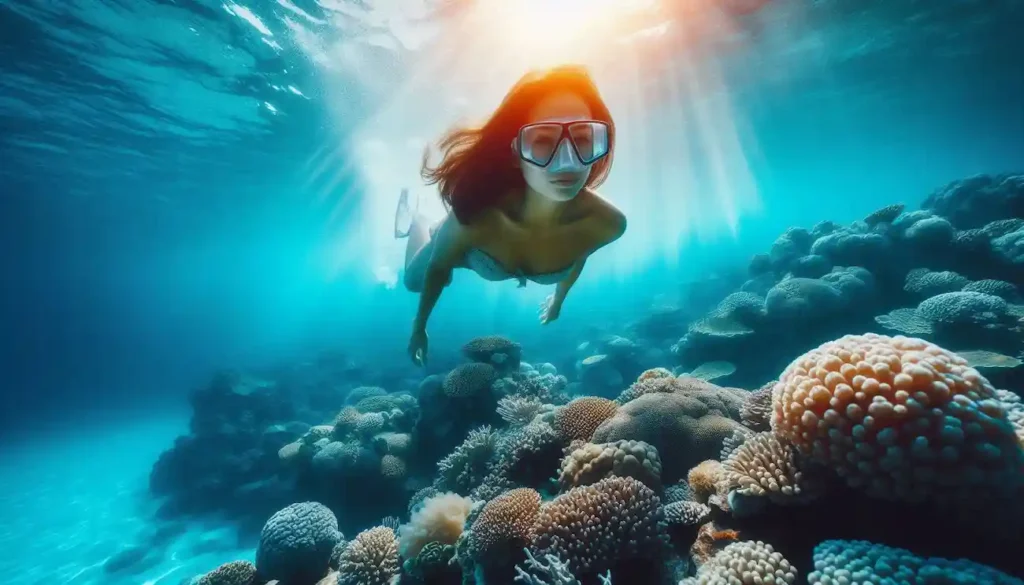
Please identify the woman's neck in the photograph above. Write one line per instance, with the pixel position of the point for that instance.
(538, 209)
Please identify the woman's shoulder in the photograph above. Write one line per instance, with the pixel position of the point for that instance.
(604, 217)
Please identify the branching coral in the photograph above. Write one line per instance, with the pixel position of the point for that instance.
(526, 456)
(900, 418)
(463, 469)
(550, 571)
(518, 410)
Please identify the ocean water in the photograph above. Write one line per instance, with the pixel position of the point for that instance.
(193, 186)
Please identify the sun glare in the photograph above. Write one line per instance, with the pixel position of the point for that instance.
(681, 169)
(544, 32)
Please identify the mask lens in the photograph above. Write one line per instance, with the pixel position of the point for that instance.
(590, 140)
(538, 142)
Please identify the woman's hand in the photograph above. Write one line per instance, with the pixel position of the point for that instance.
(550, 309)
(418, 346)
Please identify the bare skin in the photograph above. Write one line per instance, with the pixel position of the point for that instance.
(527, 232)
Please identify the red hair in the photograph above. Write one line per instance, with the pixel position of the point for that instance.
(478, 165)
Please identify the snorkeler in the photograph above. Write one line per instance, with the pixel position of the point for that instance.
(519, 191)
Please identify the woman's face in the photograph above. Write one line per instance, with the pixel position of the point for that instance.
(564, 177)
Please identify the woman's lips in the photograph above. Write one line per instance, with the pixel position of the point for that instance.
(564, 182)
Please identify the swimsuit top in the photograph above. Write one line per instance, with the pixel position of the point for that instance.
(489, 268)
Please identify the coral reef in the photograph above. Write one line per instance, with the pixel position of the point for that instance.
(296, 544)
(818, 456)
(594, 527)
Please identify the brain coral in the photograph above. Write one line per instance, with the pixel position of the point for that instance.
(957, 308)
(296, 543)
(924, 283)
(505, 524)
(469, 380)
(579, 418)
(593, 527)
(685, 428)
(592, 462)
(233, 573)
(745, 562)
(370, 559)
(999, 288)
(858, 561)
(802, 299)
(898, 417)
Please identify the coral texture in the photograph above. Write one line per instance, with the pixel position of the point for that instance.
(581, 417)
(439, 519)
(593, 462)
(505, 524)
(370, 559)
(595, 526)
(858, 561)
(296, 543)
(899, 418)
(745, 562)
(469, 380)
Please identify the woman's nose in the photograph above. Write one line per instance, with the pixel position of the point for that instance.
(564, 159)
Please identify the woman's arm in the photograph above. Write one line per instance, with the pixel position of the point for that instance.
(563, 287)
(452, 241)
(603, 231)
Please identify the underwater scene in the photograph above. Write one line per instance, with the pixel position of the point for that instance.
(493, 292)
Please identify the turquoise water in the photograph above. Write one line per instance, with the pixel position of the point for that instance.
(193, 185)
(74, 501)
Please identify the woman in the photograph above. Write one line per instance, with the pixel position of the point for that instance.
(520, 195)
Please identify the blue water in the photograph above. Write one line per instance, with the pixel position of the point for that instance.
(74, 500)
(189, 185)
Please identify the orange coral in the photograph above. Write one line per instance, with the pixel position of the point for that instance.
(899, 418)
(505, 523)
(581, 417)
(654, 373)
(711, 538)
(703, 480)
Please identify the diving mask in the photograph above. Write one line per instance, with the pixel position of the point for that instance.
(539, 143)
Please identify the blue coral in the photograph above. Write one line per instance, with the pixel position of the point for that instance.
(296, 544)
(858, 561)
